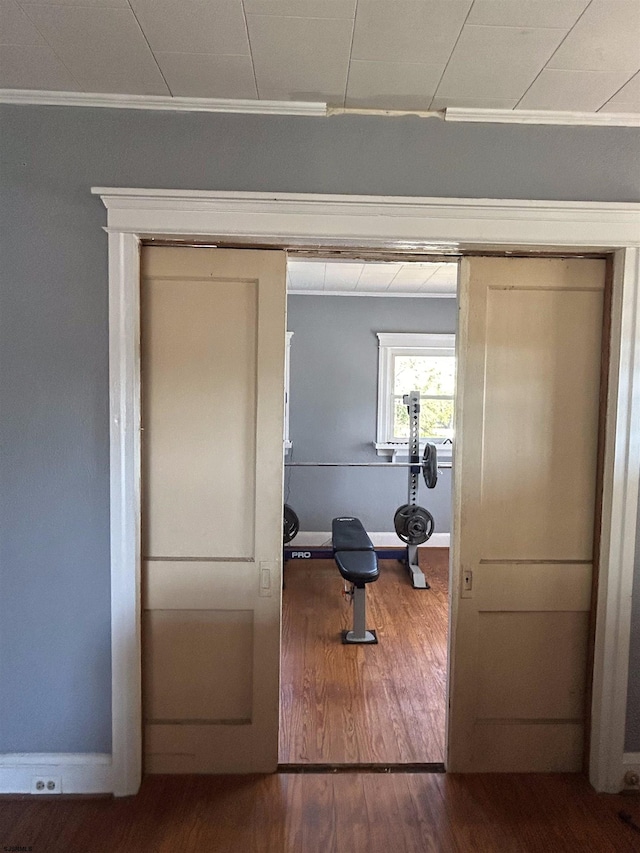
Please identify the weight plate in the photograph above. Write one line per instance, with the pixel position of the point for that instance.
(290, 524)
(430, 465)
(413, 524)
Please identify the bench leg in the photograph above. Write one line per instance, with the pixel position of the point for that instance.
(359, 634)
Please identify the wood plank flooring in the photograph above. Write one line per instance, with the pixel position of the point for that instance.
(364, 704)
(330, 813)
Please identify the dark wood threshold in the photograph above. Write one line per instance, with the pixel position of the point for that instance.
(412, 767)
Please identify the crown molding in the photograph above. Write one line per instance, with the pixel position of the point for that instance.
(303, 108)
(161, 102)
(542, 117)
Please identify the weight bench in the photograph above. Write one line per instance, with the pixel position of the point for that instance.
(357, 562)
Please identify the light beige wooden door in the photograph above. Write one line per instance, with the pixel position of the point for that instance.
(525, 492)
(212, 366)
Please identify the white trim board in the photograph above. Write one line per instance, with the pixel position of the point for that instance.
(160, 102)
(542, 117)
(631, 765)
(382, 539)
(380, 222)
(79, 773)
(632, 760)
(390, 294)
(45, 97)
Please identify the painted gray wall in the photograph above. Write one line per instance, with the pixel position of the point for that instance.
(54, 520)
(334, 388)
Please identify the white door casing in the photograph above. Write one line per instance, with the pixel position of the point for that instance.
(393, 223)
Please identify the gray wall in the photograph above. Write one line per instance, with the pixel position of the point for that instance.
(334, 387)
(54, 439)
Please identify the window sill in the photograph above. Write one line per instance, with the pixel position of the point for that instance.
(396, 452)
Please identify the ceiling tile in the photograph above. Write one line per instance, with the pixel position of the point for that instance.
(408, 30)
(104, 49)
(497, 62)
(527, 13)
(199, 75)
(34, 66)
(413, 274)
(302, 8)
(306, 274)
(16, 27)
(300, 59)
(441, 103)
(342, 276)
(409, 286)
(584, 91)
(185, 26)
(444, 280)
(606, 38)
(627, 100)
(391, 85)
(376, 277)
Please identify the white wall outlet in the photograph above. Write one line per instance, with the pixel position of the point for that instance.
(46, 785)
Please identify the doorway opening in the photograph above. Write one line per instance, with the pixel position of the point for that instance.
(474, 225)
(362, 334)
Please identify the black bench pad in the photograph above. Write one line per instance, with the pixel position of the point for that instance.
(353, 551)
(357, 567)
(348, 534)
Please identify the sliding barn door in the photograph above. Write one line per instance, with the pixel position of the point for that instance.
(212, 366)
(525, 487)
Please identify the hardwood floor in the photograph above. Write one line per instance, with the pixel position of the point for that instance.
(364, 704)
(330, 813)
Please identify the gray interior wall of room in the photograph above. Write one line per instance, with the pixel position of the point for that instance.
(332, 408)
(54, 513)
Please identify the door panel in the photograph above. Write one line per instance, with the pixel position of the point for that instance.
(204, 416)
(524, 485)
(212, 366)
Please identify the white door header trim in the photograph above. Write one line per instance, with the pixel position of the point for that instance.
(403, 223)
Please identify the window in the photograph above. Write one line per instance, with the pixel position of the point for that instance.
(425, 363)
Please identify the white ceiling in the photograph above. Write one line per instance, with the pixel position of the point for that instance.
(358, 278)
(576, 55)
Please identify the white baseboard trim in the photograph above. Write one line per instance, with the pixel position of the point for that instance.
(318, 539)
(79, 773)
(631, 761)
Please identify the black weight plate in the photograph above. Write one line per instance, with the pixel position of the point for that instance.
(430, 465)
(413, 524)
(290, 524)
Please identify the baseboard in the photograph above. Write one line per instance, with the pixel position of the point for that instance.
(631, 764)
(75, 773)
(317, 539)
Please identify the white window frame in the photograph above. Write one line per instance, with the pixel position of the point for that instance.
(391, 344)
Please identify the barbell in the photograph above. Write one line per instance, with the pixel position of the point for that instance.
(428, 465)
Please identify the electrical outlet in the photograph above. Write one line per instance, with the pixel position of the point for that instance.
(46, 785)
